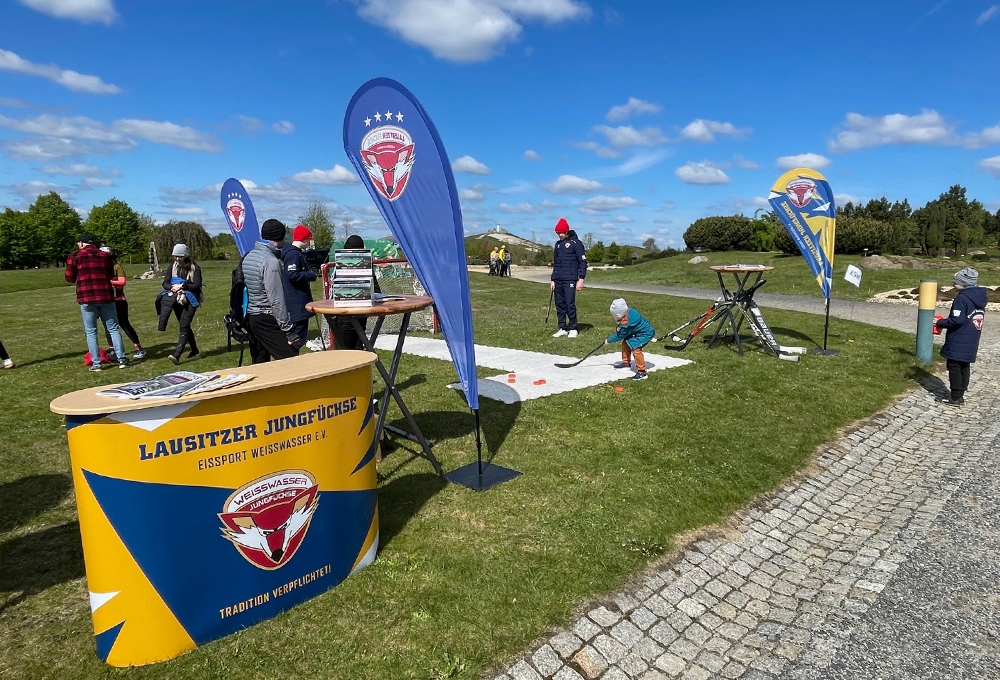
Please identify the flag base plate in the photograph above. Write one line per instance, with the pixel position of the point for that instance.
(468, 476)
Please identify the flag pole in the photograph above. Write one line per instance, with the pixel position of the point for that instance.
(826, 326)
(477, 476)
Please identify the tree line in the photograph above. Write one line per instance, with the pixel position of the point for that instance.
(950, 221)
(46, 233)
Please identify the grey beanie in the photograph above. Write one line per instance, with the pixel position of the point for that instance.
(180, 250)
(619, 308)
(967, 278)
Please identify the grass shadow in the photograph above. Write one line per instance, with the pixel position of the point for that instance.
(27, 497)
(401, 499)
(34, 563)
(788, 332)
(930, 382)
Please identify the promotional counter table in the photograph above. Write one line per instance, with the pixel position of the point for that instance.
(206, 514)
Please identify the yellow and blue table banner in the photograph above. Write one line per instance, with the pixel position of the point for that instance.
(202, 518)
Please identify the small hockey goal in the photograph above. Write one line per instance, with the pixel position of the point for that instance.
(395, 277)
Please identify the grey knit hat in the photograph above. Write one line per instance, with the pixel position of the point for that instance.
(967, 278)
(619, 308)
(180, 250)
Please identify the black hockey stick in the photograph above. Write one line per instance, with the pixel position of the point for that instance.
(703, 321)
(577, 363)
(549, 310)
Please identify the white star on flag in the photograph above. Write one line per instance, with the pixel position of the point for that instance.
(399, 118)
(368, 122)
(378, 116)
(388, 115)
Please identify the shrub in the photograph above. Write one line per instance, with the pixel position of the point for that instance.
(721, 232)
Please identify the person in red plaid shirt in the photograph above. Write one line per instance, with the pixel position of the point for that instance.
(92, 270)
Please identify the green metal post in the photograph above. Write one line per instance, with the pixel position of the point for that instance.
(925, 321)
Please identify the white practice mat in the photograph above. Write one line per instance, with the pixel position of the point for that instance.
(534, 374)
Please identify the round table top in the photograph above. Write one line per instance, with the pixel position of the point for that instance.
(741, 268)
(409, 303)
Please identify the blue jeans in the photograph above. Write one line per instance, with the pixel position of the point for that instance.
(105, 311)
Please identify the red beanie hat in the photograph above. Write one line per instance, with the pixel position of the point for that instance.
(301, 233)
(562, 226)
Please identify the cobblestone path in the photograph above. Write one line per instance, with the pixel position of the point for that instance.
(797, 590)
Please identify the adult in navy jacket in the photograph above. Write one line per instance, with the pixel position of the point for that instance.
(964, 326)
(298, 276)
(569, 269)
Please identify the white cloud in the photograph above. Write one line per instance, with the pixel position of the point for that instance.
(624, 219)
(65, 137)
(813, 161)
(991, 166)
(598, 205)
(466, 30)
(29, 191)
(337, 176)
(14, 103)
(701, 130)
(71, 80)
(519, 209)
(90, 182)
(571, 184)
(188, 211)
(530, 155)
(928, 127)
(165, 132)
(87, 11)
(844, 199)
(470, 165)
(991, 12)
(663, 220)
(632, 107)
(471, 196)
(745, 162)
(701, 173)
(250, 126)
(667, 205)
(283, 127)
(987, 136)
(601, 151)
(625, 136)
(550, 205)
(74, 170)
(641, 161)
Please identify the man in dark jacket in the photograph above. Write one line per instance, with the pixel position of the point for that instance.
(271, 333)
(569, 269)
(298, 276)
(965, 326)
(92, 270)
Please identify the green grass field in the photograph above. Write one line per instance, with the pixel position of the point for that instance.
(791, 275)
(463, 580)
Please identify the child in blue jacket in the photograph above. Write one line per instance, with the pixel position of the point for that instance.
(964, 325)
(634, 332)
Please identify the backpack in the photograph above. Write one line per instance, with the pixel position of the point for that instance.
(236, 320)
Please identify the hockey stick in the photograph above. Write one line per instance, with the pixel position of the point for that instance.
(577, 363)
(549, 310)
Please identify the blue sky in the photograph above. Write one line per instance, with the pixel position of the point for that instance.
(629, 118)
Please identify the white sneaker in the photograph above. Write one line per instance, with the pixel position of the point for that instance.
(573, 334)
(560, 333)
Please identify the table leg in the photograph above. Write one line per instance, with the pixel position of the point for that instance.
(389, 378)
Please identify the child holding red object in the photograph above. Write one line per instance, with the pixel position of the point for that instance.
(634, 332)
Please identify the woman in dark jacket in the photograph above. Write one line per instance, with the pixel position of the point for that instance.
(182, 295)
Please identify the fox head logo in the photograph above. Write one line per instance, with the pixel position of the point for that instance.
(236, 212)
(801, 191)
(387, 155)
(268, 518)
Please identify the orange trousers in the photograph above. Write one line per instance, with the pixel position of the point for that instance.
(628, 353)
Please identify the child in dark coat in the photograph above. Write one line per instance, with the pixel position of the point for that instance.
(964, 326)
(634, 332)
